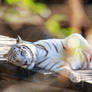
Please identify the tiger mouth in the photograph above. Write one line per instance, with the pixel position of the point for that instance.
(20, 65)
(24, 66)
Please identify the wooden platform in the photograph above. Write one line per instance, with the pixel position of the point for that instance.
(11, 72)
(86, 75)
(5, 44)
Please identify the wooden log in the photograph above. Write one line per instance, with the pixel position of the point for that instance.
(12, 77)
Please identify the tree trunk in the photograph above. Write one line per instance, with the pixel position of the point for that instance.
(78, 19)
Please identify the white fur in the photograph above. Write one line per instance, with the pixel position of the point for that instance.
(57, 58)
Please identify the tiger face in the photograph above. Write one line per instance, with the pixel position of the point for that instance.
(21, 55)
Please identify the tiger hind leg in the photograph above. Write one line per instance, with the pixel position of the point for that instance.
(69, 73)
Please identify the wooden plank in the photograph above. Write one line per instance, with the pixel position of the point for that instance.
(86, 75)
(5, 44)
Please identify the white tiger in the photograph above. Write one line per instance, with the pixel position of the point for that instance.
(57, 55)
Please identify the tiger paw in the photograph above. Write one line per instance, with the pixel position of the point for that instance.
(75, 77)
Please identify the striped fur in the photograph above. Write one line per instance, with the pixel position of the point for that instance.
(58, 55)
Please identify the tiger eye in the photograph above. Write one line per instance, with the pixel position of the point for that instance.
(24, 47)
(14, 48)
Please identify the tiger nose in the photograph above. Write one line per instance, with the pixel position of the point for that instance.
(25, 63)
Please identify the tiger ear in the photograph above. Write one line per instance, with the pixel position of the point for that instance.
(19, 40)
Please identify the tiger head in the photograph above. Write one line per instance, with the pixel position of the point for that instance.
(22, 54)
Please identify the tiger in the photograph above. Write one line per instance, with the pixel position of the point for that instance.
(61, 56)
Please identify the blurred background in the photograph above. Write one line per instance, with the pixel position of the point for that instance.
(42, 19)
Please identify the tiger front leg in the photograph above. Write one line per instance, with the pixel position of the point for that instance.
(69, 73)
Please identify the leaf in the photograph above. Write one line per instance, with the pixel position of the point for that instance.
(11, 1)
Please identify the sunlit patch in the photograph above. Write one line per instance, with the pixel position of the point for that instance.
(73, 43)
(89, 38)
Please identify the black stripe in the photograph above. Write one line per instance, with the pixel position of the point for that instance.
(91, 58)
(31, 54)
(25, 63)
(41, 61)
(43, 47)
(9, 55)
(48, 45)
(86, 60)
(63, 46)
(46, 65)
(53, 65)
(55, 47)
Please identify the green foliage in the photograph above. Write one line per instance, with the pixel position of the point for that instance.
(30, 5)
(11, 1)
(15, 15)
(54, 27)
